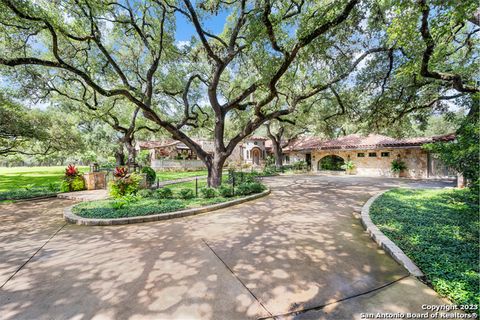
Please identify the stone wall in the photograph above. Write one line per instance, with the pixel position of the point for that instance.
(416, 160)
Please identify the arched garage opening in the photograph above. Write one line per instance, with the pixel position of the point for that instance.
(332, 163)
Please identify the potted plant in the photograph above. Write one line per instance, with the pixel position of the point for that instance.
(349, 167)
(398, 166)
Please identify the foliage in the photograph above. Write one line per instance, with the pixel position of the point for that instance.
(270, 171)
(438, 230)
(186, 193)
(145, 193)
(120, 208)
(151, 175)
(225, 191)
(300, 165)
(71, 171)
(120, 172)
(249, 188)
(208, 192)
(398, 166)
(462, 154)
(26, 193)
(164, 193)
(124, 185)
(33, 131)
(349, 165)
(143, 158)
(72, 180)
(332, 162)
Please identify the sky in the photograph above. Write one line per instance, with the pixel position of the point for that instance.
(185, 29)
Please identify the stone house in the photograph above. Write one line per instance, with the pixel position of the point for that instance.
(253, 150)
(372, 155)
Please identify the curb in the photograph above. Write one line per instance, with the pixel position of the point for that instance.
(70, 217)
(384, 242)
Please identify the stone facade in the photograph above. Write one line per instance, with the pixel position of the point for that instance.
(379, 164)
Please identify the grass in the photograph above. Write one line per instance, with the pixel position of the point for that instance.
(31, 177)
(439, 231)
(172, 175)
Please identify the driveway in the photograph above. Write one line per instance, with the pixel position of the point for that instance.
(298, 253)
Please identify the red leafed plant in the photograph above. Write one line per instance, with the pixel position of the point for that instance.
(71, 171)
(120, 172)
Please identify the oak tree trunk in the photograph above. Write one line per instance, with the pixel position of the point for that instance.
(120, 156)
(278, 152)
(215, 171)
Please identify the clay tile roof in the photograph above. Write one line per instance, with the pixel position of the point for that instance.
(157, 144)
(356, 141)
(256, 138)
(304, 143)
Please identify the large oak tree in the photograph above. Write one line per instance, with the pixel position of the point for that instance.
(266, 52)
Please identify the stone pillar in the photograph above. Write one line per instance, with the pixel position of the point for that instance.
(95, 180)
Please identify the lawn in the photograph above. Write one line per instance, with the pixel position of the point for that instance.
(439, 231)
(172, 175)
(27, 177)
(21, 177)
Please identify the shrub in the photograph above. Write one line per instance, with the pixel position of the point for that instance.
(249, 188)
(225, 191)
(300, 165)
(145, 193)
(257, 187)
(72, 181)
(78, 184)
(398, 165)
(208, 192)
(120, 172)
(164, 193)
(186, 193)
(124, 185)
(349, 165)
(151, 175)
(269, 171)
(124, 201)
(243, 189)
(71, 171)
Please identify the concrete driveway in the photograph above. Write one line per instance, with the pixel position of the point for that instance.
(298, 253)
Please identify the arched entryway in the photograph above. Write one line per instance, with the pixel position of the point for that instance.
(331, 163)
(256, 154)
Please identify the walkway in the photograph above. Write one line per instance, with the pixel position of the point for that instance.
(296, 254)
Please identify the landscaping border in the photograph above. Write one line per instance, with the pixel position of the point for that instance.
(70, 217)
(384, 242)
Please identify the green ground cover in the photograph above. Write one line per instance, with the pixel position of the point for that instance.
(30, 177)
(105, 209)
(439, 231)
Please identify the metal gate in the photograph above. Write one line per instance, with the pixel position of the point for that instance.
(437, 169)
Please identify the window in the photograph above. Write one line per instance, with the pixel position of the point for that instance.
(385, 154)
(360, 155)
(372, 154)
(255, 143)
